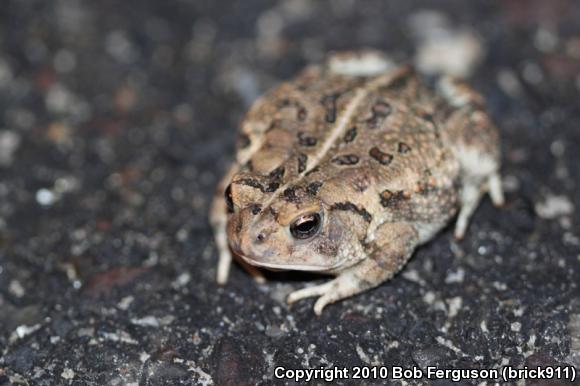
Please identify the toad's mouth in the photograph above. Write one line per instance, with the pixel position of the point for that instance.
(290, 267)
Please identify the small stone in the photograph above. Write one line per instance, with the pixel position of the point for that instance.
(554, 206)
(146, 321)
(274, 331)
(455, 277)
(125, 302)
(22, 331)
(45, 197)
(181, 280)
(67, 373)
(16, 288)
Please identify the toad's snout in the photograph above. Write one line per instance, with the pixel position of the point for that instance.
(249, 238)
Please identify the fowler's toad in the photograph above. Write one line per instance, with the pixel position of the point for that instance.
(348, 168)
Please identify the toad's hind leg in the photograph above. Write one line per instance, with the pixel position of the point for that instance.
(475, 142)
(393, 247)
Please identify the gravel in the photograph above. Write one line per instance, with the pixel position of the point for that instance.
(118, 119)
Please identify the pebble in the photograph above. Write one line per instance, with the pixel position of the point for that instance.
(9, 142)
(554, 206)
(16, 289)
(67, 373)
(45, 197)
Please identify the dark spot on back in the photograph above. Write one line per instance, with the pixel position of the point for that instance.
(290, 194)
(277, 174)
(346, 159)
(275, 177)
(391, 199)
(380, 110)
(272, 187)
(381, 157)
(313, 187)
(302, 114)
(350, 135)
(250, 182)
(306, 140)
(329, 103)
(404, 148)
(302, 161)
(353, 208)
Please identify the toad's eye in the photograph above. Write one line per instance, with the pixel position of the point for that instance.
(229, 199)
(306, 226)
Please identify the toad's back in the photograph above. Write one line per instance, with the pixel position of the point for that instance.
(350, 137)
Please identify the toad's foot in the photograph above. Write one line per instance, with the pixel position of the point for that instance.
(471, 195)
(342, 287)
(496, 190)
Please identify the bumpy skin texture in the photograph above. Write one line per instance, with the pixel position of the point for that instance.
(382, 159)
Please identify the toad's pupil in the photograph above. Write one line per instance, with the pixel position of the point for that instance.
(306, 226)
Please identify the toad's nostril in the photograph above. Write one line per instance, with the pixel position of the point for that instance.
(261, 237)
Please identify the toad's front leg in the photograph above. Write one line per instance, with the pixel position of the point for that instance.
(393, 246)
(218, 219)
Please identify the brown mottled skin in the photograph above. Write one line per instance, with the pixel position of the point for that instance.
(385, 161)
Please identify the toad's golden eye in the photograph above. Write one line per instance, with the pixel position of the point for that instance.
(306, 226)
